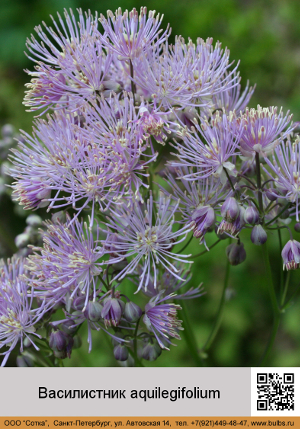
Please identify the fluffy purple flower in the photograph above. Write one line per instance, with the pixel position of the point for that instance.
(232, 99)
(263, 130)
(184, 74)
(291, 255)
(72, 67)
(153, 124)
(286, 166)
(210, 147)
(161, 319)
(144, 234)
(128, 34)
(198, 199)
(63, 158)
(117, 129)
(68, 265)
(18, 315)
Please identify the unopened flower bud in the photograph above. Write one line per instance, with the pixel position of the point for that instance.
(43, 195)
(59, 217)
(248, 168)
(121, 352)
(132, 312)
(270, 194)
(22, 240)
(93, 311)
(291, 255)
(201, 220)
(58, 341)
(233, 228)
(79, 302)
(297, 227)
(112, 311)
(128, 363)
(7, 131)
(34, 220)
(111, 85)
(285, 215)
(25, 361)
(282, 201)
(69, 325)
(258, 235)
(151, 351)
(236, 253)
(66, 352)
(230, 209)
(251, 215)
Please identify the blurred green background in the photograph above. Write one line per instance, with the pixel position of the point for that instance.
(265, 36)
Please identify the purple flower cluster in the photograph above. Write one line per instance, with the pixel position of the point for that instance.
(19, 315)
(116, 92)
(67, 266)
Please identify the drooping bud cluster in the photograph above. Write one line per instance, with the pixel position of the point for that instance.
(32, 235)
(233, 217)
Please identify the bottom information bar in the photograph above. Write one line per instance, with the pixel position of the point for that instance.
(130, 422)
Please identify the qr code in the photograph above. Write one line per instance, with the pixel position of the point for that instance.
(275, 392)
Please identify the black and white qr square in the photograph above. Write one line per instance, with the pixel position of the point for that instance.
(276, 392)
(288, 378)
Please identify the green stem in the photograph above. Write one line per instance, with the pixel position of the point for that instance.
(137, 361)
(258, 175)
(189, 335)
(279, 214)
(229, 179)
(277, 228)
(247, 178)
(276, 310)
(163, 151)
(286, 285)
(270, 280)
(271, 341)
(281, 271)
(107, 287)
(290, 298)
(220, 311)
(205, 251)
(186, 245)
(269, 205)
(131, 81)
(254, 202)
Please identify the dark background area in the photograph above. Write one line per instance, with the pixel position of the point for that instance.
(265, 37)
